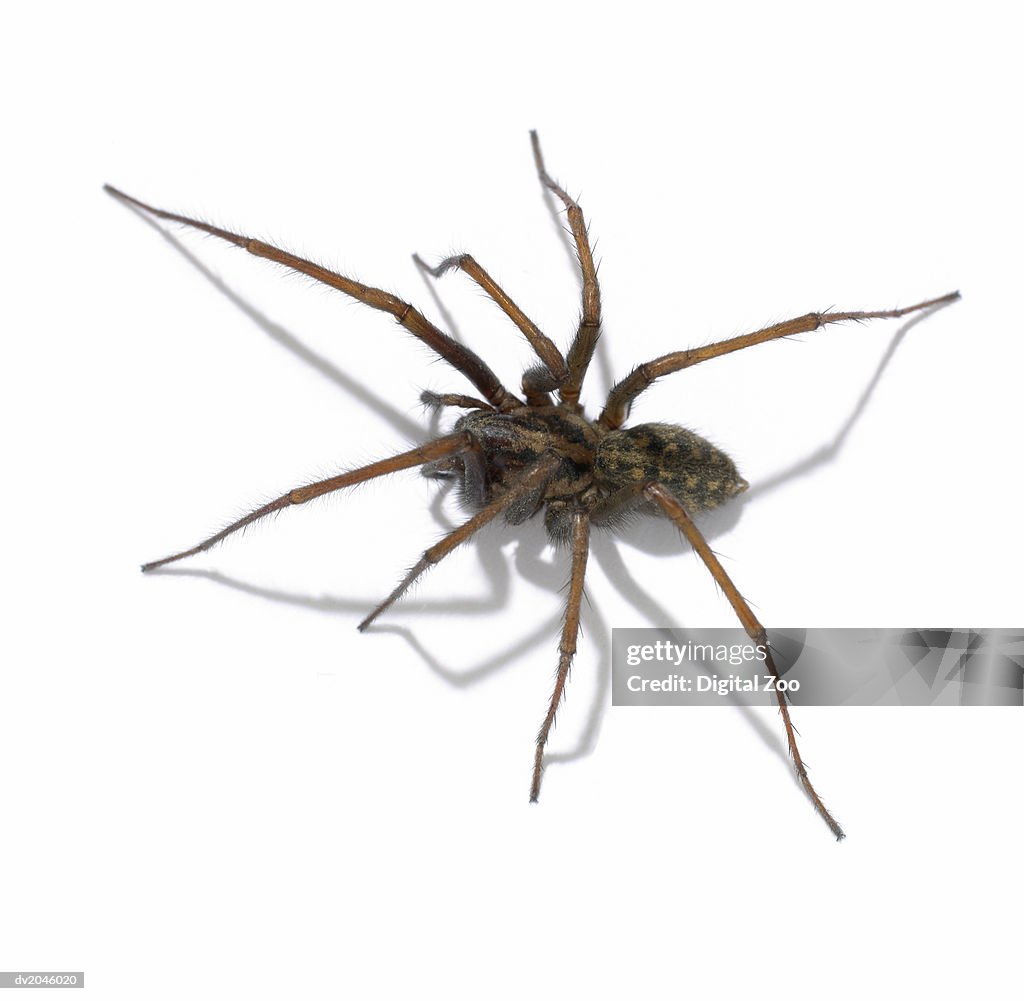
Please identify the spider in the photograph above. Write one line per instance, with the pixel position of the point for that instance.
(518, 455)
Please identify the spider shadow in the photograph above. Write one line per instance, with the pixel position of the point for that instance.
(534, 560)
(556, 211)
(828, 452)
(409, 429)
(545, 568)
(656, 536)
(546, 574)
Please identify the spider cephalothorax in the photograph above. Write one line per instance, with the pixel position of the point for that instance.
(516, 456)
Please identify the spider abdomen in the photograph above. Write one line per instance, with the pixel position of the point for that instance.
(699, 474)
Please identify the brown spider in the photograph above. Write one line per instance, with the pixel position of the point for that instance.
(516, 456)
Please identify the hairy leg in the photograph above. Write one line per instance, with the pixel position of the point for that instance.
(457, 355)
(543, 346)
(567, 646)
(438, 400)
(585, 341)
(621, 398)
(440, 449)
(671, 506)
(532, 480)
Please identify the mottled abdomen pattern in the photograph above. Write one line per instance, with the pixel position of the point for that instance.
(699, 474)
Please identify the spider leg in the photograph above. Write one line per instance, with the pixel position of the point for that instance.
(438, 400)
(533, 479)
(754, 630)
(585, 341)
(567, 646)
(442, 448)
(621, 398)
(537, 384)
(457, 355)
(543, 346)
(615, 504)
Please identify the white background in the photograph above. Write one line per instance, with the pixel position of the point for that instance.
(212, 779)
